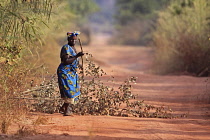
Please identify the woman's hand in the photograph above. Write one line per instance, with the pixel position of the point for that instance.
(80, 54)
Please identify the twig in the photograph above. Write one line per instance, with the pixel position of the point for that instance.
(35, 89)
(83, 75)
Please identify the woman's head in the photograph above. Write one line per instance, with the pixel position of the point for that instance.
(72, 38)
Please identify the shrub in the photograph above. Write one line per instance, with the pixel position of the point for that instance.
(20, 29)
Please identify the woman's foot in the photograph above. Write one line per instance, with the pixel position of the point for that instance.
(68, 110)
(62, 108)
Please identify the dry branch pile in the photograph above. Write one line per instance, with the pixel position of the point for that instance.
(96, 98)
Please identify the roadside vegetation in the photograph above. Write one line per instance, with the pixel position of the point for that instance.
(21, 27)
(182, 38)
(178, 30)
(136, 20)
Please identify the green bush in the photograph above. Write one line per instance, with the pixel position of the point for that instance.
(181, 37)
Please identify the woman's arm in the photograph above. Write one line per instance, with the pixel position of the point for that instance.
(67, 59)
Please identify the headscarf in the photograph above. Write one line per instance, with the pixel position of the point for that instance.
(70, 34)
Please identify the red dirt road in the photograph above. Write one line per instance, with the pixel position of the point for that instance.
(184, 94)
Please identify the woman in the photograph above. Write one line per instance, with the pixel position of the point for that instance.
(67, 74)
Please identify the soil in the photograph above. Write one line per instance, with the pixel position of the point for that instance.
(184, 94)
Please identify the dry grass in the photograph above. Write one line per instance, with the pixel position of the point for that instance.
(26, 131)
(182, 38)
(41, 120)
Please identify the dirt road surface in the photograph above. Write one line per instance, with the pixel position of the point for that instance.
(184, 94)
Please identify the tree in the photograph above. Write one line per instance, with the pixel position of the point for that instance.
(138, 18)
(82, 9)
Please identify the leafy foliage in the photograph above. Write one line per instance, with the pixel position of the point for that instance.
(128, 11)
(135, 20)
(21, 26)
(83, 8)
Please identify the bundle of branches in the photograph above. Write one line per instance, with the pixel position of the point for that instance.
(43, 98)
(96, 98)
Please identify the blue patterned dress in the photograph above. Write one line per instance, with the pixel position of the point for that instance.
(67, 75)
